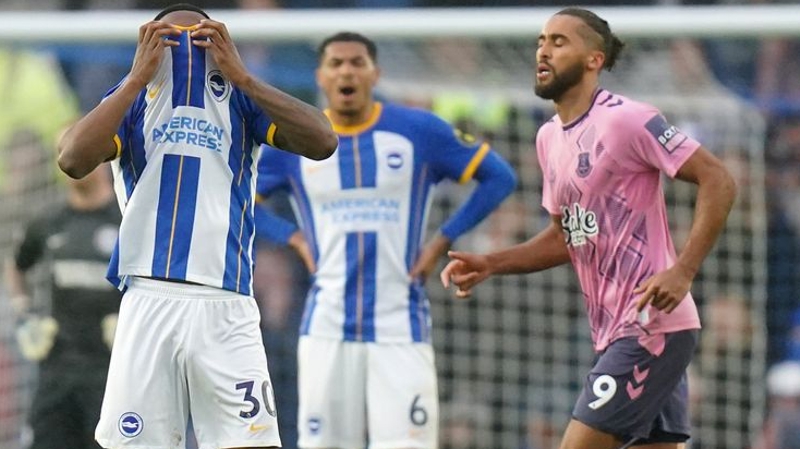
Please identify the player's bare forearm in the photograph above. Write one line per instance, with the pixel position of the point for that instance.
(431, 253)
(466, 270)
(90, 141)
(545, 250)
(715, 195)
(302, 128)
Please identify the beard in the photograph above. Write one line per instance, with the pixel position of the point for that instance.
(560, 82)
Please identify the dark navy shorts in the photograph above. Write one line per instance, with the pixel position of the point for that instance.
(631, 393)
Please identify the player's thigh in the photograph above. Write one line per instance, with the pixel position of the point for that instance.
(631, 392)
(331, 393)
(145, 402)
(232, 399)
(402, 396)
(580, 436)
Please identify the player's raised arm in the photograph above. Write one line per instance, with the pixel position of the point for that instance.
(545, 250)
(301, 128)
(90, 141)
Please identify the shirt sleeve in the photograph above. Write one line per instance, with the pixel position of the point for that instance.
(547, 195)
(260, 124)
(274, 168)
(274, 172)
(658, 144)
(452, 153)
(126, 128)
(272, 227)
(496, 180)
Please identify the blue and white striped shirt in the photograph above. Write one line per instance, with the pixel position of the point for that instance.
(185, 176)
(364, 214)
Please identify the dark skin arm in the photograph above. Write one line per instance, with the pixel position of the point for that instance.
(715, 195)
(90, 141)
(302, 128)
(300, 245)
(429, 256)
(546, 250)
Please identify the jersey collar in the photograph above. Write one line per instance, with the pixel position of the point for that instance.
(377, 109)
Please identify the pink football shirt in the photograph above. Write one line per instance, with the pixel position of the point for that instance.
(602, 175)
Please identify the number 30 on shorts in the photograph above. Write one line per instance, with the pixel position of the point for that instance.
(604, 387)
(255, 406)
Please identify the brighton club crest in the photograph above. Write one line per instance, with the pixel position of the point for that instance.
(584, 166)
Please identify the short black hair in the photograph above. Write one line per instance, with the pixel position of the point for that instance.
(180, 7)
(612, 45)
(349, 36)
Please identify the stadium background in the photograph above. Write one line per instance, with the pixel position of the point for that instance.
(512, 358)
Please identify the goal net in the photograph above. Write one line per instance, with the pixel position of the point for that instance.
(512, 359)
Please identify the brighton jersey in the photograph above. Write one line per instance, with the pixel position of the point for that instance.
(364, 213)
(185, 176)
(602, 176)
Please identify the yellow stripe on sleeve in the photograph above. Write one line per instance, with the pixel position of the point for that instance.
(271, 134)
(474, 163)
(118, 143)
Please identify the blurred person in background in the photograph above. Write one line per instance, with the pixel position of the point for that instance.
(364, 217)
(782, 426)
(727, 340)
(38, 103)
(603, 156)
(71, 337)
(182, 131)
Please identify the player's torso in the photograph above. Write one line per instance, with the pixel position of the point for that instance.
(610, 217)
(369, 203)
(193, 161)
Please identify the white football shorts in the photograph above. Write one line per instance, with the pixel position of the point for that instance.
(352, 394)
(183, 348)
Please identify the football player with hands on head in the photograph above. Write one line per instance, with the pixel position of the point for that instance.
(602, 157)
(182, 131)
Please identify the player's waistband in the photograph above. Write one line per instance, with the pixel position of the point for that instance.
(180, 290)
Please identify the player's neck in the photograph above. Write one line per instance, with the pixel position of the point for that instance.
(354, 119)
(575, 102)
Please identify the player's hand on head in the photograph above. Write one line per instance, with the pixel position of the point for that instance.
(465, 271)
(150, 49)
(214, 37)
(664, 290)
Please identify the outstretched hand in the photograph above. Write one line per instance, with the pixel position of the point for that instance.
(664, 290)
(214, 37)
(465, 271)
